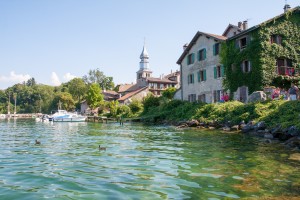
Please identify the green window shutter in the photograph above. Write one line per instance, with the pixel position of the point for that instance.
(204, 75)
(198, 73)
(204, 54)
(198, 55)
(192, 78)
(193, 57)
(187, 60)
(222, 71)
(214, 49)
(215, 72)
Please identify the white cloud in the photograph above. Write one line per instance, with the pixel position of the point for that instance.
(68, 76)
(13, 77)
(54, 79)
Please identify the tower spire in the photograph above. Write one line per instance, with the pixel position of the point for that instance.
(144, 64)
(286, 6)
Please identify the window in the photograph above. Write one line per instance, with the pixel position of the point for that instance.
(246, 67)
(217, 95)
(190, 58)
(201, 98)
(218, 71)
(277, 39)
(190, 78)
(233, 67)
(243, 43)
(202, 54)
(284, 67)
(201, 75)
(192, 97)
(216, 49)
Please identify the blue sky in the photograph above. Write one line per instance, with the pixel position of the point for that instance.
(55, 40)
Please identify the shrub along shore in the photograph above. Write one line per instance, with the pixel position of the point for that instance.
(272, 120)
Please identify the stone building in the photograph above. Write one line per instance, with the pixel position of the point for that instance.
(144, 79)
(201, 70)
(264, 55)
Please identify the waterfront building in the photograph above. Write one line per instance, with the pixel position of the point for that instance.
(201, 70)
(264, 55)
(146, 83)
(253, 58)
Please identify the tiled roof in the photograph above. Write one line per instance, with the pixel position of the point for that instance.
(130, 94)
(126, 87)
(158, 80)
(111, 92)
(194, 40)
(263, 23)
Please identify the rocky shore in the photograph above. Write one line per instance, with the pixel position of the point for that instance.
(290, 136)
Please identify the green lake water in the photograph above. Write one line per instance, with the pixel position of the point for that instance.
(140, 162)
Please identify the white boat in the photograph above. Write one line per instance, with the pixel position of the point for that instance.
(2, 116)
(64, 116)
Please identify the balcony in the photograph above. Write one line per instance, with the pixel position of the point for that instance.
(287, 71)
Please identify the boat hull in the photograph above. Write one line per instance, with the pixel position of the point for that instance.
(78, 119)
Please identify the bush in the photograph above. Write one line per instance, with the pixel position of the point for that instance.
(136, 106)
(123, 111)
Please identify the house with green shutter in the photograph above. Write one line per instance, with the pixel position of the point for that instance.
(201, 71)
(264, 55)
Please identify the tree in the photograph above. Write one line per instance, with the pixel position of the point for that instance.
(31, 82)
(136, 106)
(94, 96)
(169, 93)
(150, 101)
(77, 88)
(97, 76)
(113, 107)
(63, 100)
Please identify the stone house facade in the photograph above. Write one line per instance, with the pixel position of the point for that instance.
(201, 70)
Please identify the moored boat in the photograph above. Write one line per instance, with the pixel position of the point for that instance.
(64, 116)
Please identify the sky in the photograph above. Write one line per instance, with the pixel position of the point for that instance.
(54, 41)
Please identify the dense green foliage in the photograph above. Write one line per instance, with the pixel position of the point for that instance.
(169, 93)
(97, 76)
(263, 55)
(272, 112)
(32, 97)
(94, 96)
(136, 107)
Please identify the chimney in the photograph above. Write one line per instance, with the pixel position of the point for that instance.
(286, 8)
(245, 25)
(185, 46)
(240, 25)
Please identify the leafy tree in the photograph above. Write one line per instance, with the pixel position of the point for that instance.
(77, 88)
(124, 111)
(150, 101)
(136, 106)
(31, 82)
(169, 93)
(97, 76)
(113, 106)
(63, 100)
(94, 96)
(108, 83)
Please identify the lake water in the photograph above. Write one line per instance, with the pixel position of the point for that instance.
(140, 162)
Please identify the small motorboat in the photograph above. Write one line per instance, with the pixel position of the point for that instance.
(64, 116)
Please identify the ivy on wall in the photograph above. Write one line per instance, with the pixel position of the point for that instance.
(263, 55)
